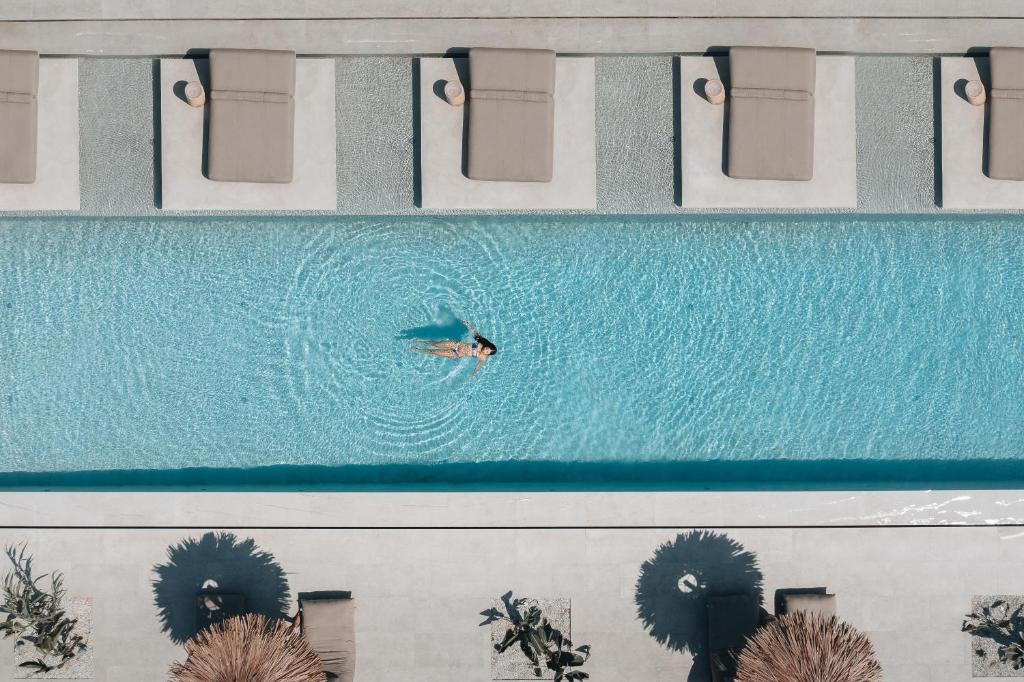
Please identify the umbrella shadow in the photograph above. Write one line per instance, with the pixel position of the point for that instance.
(216, 563)
(674, 586)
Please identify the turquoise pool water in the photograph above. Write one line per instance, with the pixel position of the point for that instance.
(241, 344)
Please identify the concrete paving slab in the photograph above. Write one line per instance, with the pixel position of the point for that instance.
(566, 35)
(63, 10)
(314, 185)
(705, 185)
(574, 178)
(56, 186)
(516, 509)
(964, 183)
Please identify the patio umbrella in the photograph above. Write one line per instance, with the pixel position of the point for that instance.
(249, 647)
(808, 647)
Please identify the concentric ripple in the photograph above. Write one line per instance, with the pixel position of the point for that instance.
(354, 293)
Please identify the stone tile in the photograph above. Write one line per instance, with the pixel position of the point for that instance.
(635, 138)
(895, 135)
(375, 134)
(119, 146)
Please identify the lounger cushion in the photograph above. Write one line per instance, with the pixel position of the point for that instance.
(19, 84)
(1006, 114)
(329, 626)
(252, 116)
(824, 604)
(511, 115)
(771, 113)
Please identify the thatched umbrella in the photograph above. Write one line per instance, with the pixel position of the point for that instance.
(808, 647)
(249, 647)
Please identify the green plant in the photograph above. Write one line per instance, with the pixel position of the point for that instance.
(539, 641)
(997, 622)
(36, 616)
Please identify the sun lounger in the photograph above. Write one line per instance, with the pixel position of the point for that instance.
(252, 116)
(328, 623)
(731, 620)
(19, 84)
(813, 600)
(1006, 114)
(511, 114)
(771, 113)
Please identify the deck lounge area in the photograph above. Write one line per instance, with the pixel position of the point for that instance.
(903, 567)
(654, 143)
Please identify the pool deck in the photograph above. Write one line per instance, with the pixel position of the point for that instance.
(903, 565)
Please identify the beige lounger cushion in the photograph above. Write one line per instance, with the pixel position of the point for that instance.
(329, 627)
(771, 113)
(252, 116)
(1006, 114)
(19, 84)
(824, 604)
(511, 114)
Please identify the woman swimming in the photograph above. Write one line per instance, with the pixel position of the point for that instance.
(481, 348)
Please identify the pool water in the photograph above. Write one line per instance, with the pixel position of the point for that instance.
(240, 343)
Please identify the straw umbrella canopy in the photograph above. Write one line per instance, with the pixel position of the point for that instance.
(808, 647)
(249, 647)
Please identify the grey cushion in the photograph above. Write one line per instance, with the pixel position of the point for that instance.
(19, 84)
(511, 114)
(771, 113)
(813, 602)
(329, 627)
(252, 116)
(1006, 114)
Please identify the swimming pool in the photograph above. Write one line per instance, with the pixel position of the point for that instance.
(823, 349)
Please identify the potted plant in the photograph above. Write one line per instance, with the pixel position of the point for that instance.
(542, 644)
(36, 615)
(1003, 626)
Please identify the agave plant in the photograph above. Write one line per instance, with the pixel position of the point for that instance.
(541, 643)
(808, 647)
(249, 647)
(997, 622)
(36, 616)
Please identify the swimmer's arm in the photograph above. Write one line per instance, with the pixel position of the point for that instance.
(479, 362)
(471, 328)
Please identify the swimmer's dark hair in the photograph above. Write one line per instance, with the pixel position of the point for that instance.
(485, 343)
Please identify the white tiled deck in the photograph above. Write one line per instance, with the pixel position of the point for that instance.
(56, 187)
(574, 176)
(964, 183)
(704, 182)
(422, 566)
(314, 185)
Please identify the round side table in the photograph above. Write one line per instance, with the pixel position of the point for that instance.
(194, 94)
(714, 91)
(454, 93)
(975, 92)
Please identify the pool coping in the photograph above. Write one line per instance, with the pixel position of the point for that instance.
(767, 509)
